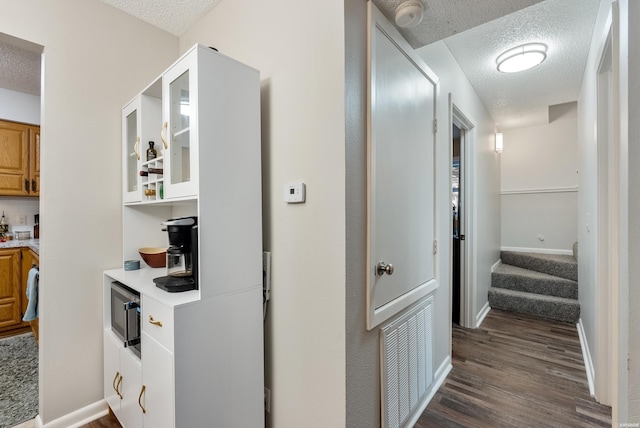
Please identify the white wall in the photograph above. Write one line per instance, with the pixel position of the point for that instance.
(539, 178)
(589, 295)
(625, 369)
(484, 164)
(19, 107)
(96, 59)
(629, 315)
(299, 49)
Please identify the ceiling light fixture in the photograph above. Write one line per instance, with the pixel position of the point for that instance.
(522, 57)
(409, 14)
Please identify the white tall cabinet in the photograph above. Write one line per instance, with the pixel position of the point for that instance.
(202, 351)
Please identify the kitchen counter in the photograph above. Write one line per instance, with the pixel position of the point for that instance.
(34, 244)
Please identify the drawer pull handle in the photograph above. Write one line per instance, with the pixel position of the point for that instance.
(140, 399)
(154, 322)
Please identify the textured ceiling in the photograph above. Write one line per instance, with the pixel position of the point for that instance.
(173, 16)
(444, 18)
(476, 32)
(522, 99)
(19, 67)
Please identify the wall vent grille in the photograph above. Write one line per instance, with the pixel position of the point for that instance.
(406, 349)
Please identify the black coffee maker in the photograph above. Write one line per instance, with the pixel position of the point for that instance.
(182, 255)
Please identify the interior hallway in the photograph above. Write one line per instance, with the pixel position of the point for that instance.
(516, 371)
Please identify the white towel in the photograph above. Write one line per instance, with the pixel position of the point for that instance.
(32, 294)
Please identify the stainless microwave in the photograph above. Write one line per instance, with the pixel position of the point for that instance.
(125, 315)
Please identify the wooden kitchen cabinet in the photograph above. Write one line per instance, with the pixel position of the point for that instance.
(10, 289)
(15, 264)
(19, 159)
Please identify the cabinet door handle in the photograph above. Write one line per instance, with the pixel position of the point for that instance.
(26, 184)
(135, 148)
(154, 322)
(33, 185)
(163, 134)
(113, 384)
(140, 398)
(118, 387)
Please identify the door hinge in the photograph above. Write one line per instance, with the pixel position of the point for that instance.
(435, 125)
(435, 247)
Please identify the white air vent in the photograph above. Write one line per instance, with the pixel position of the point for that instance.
(406, 349)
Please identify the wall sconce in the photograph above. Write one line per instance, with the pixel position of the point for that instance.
(499, 142)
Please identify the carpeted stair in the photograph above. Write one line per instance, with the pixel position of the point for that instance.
(542, 285)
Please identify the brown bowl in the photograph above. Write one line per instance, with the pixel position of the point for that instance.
(155, 257)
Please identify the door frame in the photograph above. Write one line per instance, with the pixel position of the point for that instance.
(604, 382)
(467, 270)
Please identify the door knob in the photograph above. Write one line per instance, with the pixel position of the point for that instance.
(383, 268)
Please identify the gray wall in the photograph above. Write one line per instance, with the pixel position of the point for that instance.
(363, 385)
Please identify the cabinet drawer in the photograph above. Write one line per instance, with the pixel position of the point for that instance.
(157, 322)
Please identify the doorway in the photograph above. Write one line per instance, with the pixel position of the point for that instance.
(462, 130)
(457, 192)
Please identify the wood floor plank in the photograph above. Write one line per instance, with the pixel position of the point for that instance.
(515, 371)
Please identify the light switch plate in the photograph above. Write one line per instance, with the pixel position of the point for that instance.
(22, 220)
(295, 193)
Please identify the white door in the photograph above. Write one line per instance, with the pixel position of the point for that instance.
(402, 243)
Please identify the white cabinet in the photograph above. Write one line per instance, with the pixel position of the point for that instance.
(182, 109)
(141, 124)
(181, 112)
(157, 379)
(122, 381)
(202, 350)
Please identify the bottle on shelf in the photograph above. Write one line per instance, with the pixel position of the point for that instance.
(151, 152)
(4, 228)
(155, 170)
(36, 227)
(150, 192)
(144, 173)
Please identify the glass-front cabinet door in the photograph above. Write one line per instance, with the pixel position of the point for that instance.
(141, 126)
(131, 152)
(180, 113)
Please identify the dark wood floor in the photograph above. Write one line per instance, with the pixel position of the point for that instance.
(515, 371)
(108, 421)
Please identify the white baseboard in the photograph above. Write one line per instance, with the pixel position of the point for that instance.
(438, 379)
(586, 356)
(496, 265)
(538, 250)
(78, 418)
(482, 315)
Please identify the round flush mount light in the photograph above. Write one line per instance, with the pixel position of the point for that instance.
(409, 14)
(522, 57)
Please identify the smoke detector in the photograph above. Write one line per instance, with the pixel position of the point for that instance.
(409, 13)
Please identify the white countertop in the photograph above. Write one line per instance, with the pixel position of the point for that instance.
(34, 244)
(142, 280)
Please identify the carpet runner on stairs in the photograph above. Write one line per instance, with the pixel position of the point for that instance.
(542, 285)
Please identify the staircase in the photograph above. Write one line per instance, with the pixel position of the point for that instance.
(541, 285)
